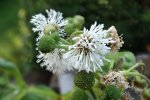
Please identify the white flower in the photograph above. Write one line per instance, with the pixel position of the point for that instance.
(116, 79)
(54, 21)
(54, 61)
(90, 49)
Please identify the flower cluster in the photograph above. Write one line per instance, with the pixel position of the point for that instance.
(92, 53)
(80, 49)
(46, 26)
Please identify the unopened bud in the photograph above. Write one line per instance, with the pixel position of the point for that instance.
(112, 93)
(46, 44)
(50, 28)
(84, 80)
(70, 19)
(55, 36)
(70, 28)
(78, 21)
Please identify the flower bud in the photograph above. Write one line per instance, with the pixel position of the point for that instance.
(46, 44)
(50, 29)
(70, 19)
(112, 93)
(55, 36)
(70, 28)
(79, 94)
(78, 21)
(84, 80)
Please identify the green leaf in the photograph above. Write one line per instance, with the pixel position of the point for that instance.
(79, 94)
(123, 60)
(128, 59)
(13, 70)
(10, 93)
(34, 96)
(6, 65)
(3, 81)
(40, 93)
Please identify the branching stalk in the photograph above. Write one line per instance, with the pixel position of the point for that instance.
(135, 66)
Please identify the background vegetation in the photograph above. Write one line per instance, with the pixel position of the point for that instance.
(131, 18)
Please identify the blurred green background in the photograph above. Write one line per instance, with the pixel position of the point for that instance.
(132, 19)
(17, 41)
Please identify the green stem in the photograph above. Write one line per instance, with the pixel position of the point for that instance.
(89, 95)
(135, 66)
(127, 73)
(65, 41)
(19, 78)
(111, 65)
(144, 78)
(97, 76)
(75, 33)
(93, 94)
(62, 47)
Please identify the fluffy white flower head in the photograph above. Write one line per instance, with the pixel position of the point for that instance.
(54, 61)
(54, 21)
(90, 49)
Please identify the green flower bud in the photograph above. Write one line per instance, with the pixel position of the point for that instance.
(50, 28)
(84, 80)
(146, 93)
(46, 44)
(112, 93)
(78, 21)
(55, 36)
(70, 19)
(70, 28)
(79, 94)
